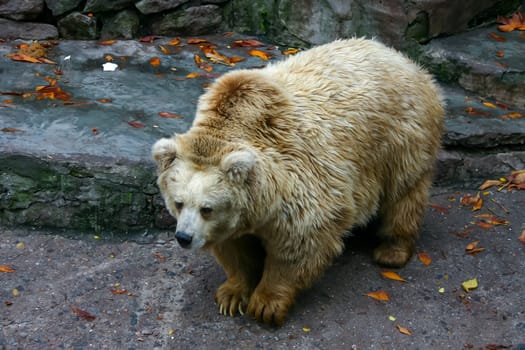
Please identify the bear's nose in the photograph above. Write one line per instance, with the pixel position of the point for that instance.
(183, 238)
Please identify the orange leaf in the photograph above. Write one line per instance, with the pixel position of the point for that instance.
(235, 59)
(194, 75)
(290, 51)
(247, 43)
(439, 208)
(489, 104)
(149, 38)
(118, 291)
(107, 42)
(196, 41)
(6, 269)
(174, 42)
(379, 295)
(475, 251)
(403, 330)
(513, 115)
(508, 24)
(424, 257)
(262, 55)
(478, 205)
(517, 177)
(155, 61)
(473, 111)
(472, 245)
(12, 130)
(393, 276)
(497, 37)
(521, 238)
(169, 115)
(23, 58)
(105, 100)
(500, 54)
(83, 314)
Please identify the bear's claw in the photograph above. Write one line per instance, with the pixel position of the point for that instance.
(230, 299)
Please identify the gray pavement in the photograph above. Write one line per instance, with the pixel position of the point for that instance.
(168, 297)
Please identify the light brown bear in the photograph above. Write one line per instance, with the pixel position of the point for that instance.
(281, 162)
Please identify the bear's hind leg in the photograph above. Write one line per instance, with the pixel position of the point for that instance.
(401, 221)
(243, 262)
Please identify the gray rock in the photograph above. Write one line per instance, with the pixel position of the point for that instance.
(154, 6)
(124, 24)
(104, 5)
(21, 9)
(257, 17)
(191, 21)
(78, 26)
(59, 7)
(27, 30)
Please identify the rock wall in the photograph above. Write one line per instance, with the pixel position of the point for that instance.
(400, 23)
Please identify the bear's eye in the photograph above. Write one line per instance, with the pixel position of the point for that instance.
(206, 211)
(179, 205)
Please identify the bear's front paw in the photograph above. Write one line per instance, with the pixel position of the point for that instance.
(232, 297)
(270, 307)
(392, 255)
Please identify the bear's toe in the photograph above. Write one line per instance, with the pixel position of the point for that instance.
(231, 300)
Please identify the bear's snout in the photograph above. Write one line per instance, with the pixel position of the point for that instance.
(183, 238)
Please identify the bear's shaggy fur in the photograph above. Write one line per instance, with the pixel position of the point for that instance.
(281, 162)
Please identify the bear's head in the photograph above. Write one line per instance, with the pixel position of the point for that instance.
(205, 187)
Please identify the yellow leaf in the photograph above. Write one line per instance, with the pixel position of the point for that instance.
(20, 245)
(393, 276)
(424, 257)
(391, 318)
(472, 245)
(306, 329)
(379, 295)
(16, 292)
(171, 331)
(489, 183)
(489, 104)
(470, 284)
(403, 330)
(441, 290)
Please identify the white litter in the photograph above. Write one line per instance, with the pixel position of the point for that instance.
(109, 67)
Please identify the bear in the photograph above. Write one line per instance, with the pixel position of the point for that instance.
(281, 163)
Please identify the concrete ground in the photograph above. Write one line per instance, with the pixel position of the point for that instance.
(166, 298)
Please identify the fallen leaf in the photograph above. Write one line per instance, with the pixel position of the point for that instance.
(290, 51)
(105, 100)
(52, 92)
(488, 104)
(473, 111)
(23, 58)
(165, 50)
(484, 225)
(194, 41)
(194, 75)
(15, 292)
(107, 42)
(118, 291)
(136, 125)
(472, 245)
(8, 303)
(11, 130)
(497, 37)
(169, 115)
(441, 290)
(247, 43)
(149, 38)
(475, 251)
(488, 184)
(94, 131)
(235, 59)
(424, 257)
(517, 177)
(391, 318)
(508, 24)
(478, 205)
(6, 269)
(262, 55)
(202, 65)
(155, 61)
(306, 329)
(521, 238)
(379, 295)
(83, 314)
(470, 285)
(513, 115)
(500, 54)
(476, 202)
(174, 42)
(159, 256)
(393, 276)
(502, 105)
(439, 208)
(403, 330)
(492, 219)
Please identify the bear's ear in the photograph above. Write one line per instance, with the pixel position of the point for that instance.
(237, 165)
(164, 152)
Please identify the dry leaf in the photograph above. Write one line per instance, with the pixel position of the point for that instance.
(105, 100)
(118, 291)
(403, 330)
(107, 42)
(379, 295)
(497, 37)
(488, 184)
(439, 208)
(473, 111)
(83, 314)
(492, 219)
(521, 238)
(470, 285)
(424, 257)
(262, 55)
(169, 115)
(165, 50)
(513, 115)
(393, 276)
(136, 125)
(12, 130)
(500, 54)
(174, 42)
(247, 43)
(204, 66)
(489, 104)
(149, 38)
(475, 251)
(6, 269)
(194, 41)
(476, 202)
(155, 61)
(290, 51)
(517, 177)
(194, 75)
(508, 24)
(472, 245)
